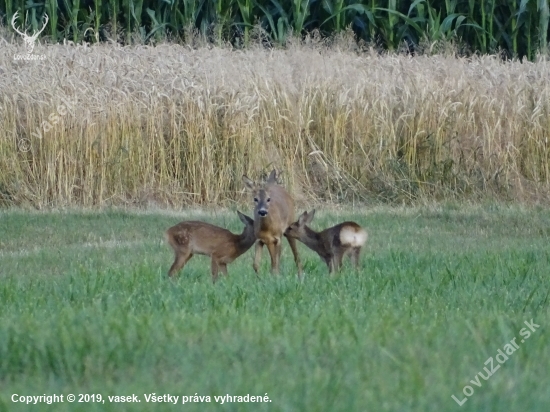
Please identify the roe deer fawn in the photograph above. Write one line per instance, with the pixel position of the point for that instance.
(192, 237)
(273, 213)
(331, 244)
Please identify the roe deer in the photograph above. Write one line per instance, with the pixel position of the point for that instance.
(331, 244)
(273, 213)
(192, 237)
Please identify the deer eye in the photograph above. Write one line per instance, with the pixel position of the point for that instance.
(256, 199)
(268, 199)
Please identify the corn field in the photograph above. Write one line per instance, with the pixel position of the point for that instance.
(515, 28)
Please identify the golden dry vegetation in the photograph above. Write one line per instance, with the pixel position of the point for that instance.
(173, 125)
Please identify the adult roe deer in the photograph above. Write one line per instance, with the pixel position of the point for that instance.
(201, 238)
(331, 244)
(273, 212)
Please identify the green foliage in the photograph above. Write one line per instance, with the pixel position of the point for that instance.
(86, 307)
(519, 27)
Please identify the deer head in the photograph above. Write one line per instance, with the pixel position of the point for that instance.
(262, 196)
(29, 40)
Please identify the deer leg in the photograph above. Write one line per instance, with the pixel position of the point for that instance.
(179, 262)
(215, 269)
(258, 255)
(223, 268)
(330, 263)
(292, 243)
(338, 256)
(355, 257)
(278, 252)
(274, 252)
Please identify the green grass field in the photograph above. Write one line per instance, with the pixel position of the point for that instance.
(86, 308)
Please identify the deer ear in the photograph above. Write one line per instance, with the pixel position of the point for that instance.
(302, 220)
(245, 219)
(249, 183)
(309, 217)
(272, 177)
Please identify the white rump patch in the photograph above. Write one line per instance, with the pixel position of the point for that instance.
(352, 236)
